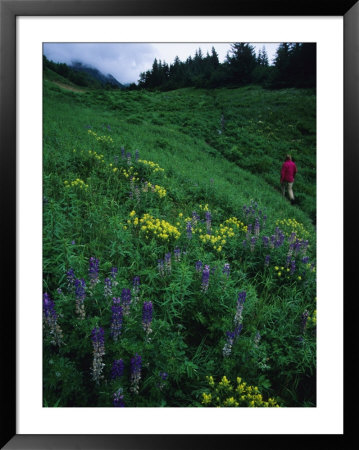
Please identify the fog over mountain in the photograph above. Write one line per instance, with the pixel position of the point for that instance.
(125, 61)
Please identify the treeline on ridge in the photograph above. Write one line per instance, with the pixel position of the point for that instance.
(294, 66)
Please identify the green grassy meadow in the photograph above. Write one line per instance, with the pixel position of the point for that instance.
(149, 184)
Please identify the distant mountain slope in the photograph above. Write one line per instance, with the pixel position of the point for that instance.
(82, 75)
(96, 74)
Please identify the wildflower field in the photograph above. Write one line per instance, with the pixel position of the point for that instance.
(174, 272)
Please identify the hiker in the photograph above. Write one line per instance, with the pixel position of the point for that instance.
(287, 175)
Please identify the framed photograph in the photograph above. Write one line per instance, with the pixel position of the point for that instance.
(174, 193)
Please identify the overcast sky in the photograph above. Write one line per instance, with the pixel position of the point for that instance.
(125, 61)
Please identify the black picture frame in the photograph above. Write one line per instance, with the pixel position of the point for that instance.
(9, 10)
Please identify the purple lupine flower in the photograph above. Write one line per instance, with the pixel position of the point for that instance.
(253, 243)
(117, 318)
(291, 249)
(272, 241)
(108, 287)
(227, 349)
(264, 220)
(237, 330)
(113, 275)
(80, 292)
(226, 269)
(205, 278)
(177, 253)
(265, 241)
(50, 317)
(195, 218)
(129, 156)
(288, 260)
(256, 227)
(161, 267)
(266, 260)
(98, 343)
(123, 154)
(137, 155)
(249, 231)
(304, 321)
(305, 259)
(168, 263)
(305, 247)
(147, 317)
(257, 339)
(93, 271)
(70, 279)
(208, 221)
(136, 285)
(118, 367)
(189, 230)
(118, 398)
(292, 237)
(199, 266)
(163, 375)
(136, 365)
(73, 242)
(126, 301)
(239, 308)
(292, 266)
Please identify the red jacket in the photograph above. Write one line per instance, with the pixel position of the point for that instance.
(289, 169)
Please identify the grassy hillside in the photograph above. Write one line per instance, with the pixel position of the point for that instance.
(159, 186)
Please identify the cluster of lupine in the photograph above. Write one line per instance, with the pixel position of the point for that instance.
(239, 309)
(136, 367)
(94, 271)
(290, 226)
(101, 139)
(224, 394)
(76, 183)
(177, 254)
(70, 275)
(257, 339)
(303, 324)
(117, 318)
(126, 301)
(231, 336)
(163, 378)
(98, 343)
(226, 269)
(136, 289)
(154, 166)
(80, 291)
(205, 278)
(117, 369)
(118, 398)
(108, 287)
(50, 318)
(151, 226)
(147, 311)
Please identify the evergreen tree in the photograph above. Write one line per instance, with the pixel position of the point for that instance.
(241, 62)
